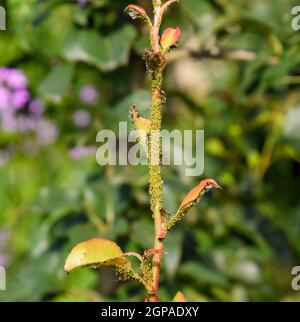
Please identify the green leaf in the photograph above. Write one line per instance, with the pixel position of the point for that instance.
(56, 198)
(119, 112)
(106, 53)
(35, 279)
(173, 248)
(142, 233)
(197, 9)
(201, 274)
(56, 83)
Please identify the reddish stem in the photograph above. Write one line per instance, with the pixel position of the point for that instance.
(158, 244)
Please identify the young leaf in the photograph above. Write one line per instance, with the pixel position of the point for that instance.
(139, 122)
(196, 193)
(191, 199)
(95, 252)
(142, 126)
(169, 38)
(179, 297)
(137, 12)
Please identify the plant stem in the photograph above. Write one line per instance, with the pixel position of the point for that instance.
(155, 180)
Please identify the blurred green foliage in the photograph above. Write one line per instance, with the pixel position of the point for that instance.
(236, 245)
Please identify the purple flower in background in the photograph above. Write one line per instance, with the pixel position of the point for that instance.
(37, 107)
(8, 120)
(3, 74)
(80, 152)
(47, 132)
(4, 98)
(25, 123)
(14, 96)
(89, 94)
(13, 89)
(20, 98)
(82, 118)
(15, 78)
(82, 3)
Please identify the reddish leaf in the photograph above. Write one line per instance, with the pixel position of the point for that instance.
(136, 12)
(179, 297)
(169, 38)
(196, 193)
(190, 199)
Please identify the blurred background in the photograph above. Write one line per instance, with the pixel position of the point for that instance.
(72, 68)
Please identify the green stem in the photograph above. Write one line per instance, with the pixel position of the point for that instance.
(155, 180)
(155, 143)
